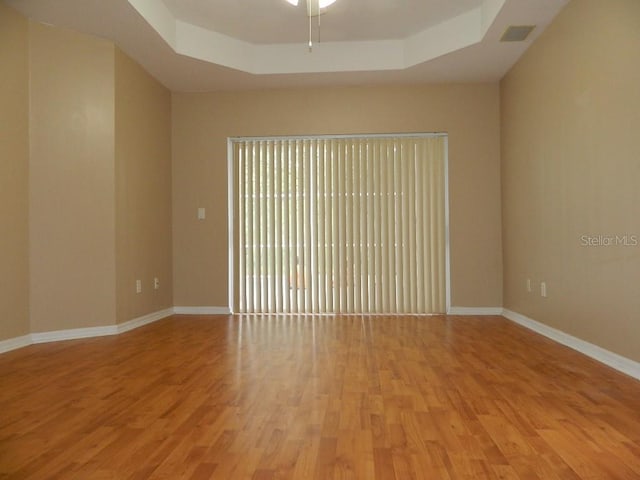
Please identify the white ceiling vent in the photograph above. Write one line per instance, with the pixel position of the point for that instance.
(517, 33)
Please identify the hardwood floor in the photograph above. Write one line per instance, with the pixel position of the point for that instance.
(316, 398)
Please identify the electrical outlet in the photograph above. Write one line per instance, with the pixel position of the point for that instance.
(156, 283)
(138, 286)
(543, 289)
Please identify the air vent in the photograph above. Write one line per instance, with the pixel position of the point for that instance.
(517, 33)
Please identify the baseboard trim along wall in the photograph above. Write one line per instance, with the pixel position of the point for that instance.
(613, 360)
(15, 343)
(202, 310)
(474, 311)
(73, 334)
(77, 333)
(144, 320)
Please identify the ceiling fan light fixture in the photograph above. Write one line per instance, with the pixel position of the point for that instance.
(325, 3)
(320, 3)
(314, 10)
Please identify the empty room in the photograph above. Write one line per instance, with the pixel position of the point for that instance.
(315, 239)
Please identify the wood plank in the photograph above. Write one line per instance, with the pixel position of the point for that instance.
(304, 397)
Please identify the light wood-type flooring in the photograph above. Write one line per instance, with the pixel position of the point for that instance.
(288, 397)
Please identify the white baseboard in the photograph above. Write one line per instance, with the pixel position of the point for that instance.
(15, 343)
(73, 334)
(77, 333)
(144, 320)
(618, 362)
(201, 310)
(474, 311)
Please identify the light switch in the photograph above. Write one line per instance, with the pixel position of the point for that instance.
(201, 213)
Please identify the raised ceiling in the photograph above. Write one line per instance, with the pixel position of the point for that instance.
(201, 45)
(345, 20)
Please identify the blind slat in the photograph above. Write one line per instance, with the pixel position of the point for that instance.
(341, 225)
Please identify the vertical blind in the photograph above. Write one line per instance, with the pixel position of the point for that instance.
(351, 225)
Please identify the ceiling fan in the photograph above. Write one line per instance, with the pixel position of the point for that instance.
(315, 8)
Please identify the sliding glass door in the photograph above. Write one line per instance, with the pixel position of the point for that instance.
(339, 224)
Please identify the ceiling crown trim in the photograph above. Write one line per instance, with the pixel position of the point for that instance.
(451, 35)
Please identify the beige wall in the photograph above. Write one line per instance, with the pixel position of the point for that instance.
(72, 200)
(143, 190)
(202, 123)
(14, 160)
(86, 182)
(571, 167)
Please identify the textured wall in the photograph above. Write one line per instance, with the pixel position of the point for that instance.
(71, 168)
(143, 191)
(14, 174)
(570, 175)
(202, 123)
